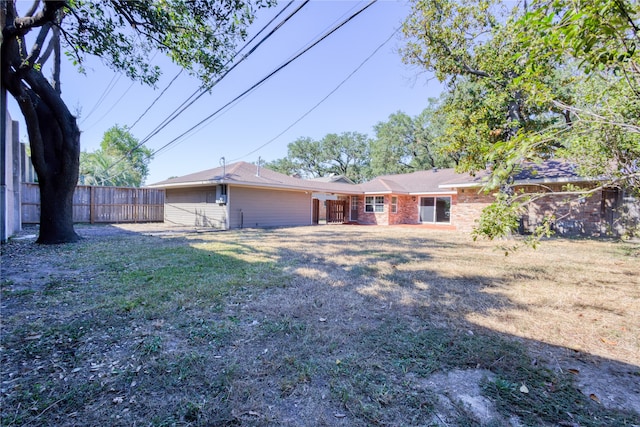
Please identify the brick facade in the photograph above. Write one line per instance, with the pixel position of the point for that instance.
(408, 211)
(571, 216)
(469, 206)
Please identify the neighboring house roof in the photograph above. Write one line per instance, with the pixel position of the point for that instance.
(333, 178)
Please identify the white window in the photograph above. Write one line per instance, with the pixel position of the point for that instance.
(374, 204)
(394, 204)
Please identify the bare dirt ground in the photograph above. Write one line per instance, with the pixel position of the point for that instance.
(294, 353)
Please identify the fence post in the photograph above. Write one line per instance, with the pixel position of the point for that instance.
(92, 205)
(136, 206)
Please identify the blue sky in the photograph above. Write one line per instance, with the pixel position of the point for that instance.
(382, 86)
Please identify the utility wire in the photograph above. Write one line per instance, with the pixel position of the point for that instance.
(157, 98)
(322, 100)
(106, 91)
(298, 51)
(112, 107)
(200, 91)
(255, 85)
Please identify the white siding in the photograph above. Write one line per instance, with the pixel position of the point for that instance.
(194, 207)
(253, 207)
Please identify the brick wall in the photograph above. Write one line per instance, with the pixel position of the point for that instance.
(379, 218)
(468, 207)
(407, 211)
(572, 216)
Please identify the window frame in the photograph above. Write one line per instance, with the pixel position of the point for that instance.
(434, 219)
(394, 204)
(374, 204)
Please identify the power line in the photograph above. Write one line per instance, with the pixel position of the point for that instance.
(156, 99)
(299, 50)
(200, 91)
(229, 107)
(106, 91)
(112, 107)
(260, 82)
(322, 100)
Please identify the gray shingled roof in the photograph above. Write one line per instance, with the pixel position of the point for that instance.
(428, 181)
(419, 182)
(247, 174)
(529, 172)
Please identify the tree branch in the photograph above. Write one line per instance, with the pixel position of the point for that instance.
(601, 119)
(33, 8)
(46, 54)
(30, 60)
(44, 16)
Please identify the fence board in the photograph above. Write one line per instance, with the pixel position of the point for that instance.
(101, 204)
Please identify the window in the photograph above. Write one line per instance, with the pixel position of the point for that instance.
(435, 209)
(394, 204)
(374, 204)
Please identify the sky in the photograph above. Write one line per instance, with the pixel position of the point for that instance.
(362, 88)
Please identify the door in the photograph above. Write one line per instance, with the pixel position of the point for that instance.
(435, 209)
(316, 211)
(353, 214)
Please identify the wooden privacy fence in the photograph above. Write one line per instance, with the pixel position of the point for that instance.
(101, 204)
(336, 211)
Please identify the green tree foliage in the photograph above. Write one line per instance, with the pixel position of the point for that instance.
(404, 144)
(557, 80)
(344, 154)
(199, 36)
(120, 161)
(599, 40)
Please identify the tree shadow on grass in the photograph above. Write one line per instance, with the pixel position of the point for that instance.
(226, 329)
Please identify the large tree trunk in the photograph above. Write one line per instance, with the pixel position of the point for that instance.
(58, 176)
(54, 135)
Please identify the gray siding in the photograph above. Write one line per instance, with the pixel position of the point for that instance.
(194, 207)
(254, 207)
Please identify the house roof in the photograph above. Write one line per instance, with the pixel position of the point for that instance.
(550, 171)
(249, 175)
(419, 182)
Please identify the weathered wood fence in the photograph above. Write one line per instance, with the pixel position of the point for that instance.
(101, 204)
(336, 210)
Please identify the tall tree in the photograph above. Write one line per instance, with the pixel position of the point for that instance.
(547, 80)
(120, 161)
(338, 154)
(405, 144)
(199, 36)
(347, 154)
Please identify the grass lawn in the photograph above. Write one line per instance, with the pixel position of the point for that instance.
(318, 326)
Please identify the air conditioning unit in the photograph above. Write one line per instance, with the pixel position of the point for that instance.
(222, 199)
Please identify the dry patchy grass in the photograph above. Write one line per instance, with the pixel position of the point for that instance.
(329, 325)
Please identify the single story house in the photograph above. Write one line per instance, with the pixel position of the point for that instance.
(243, 195)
